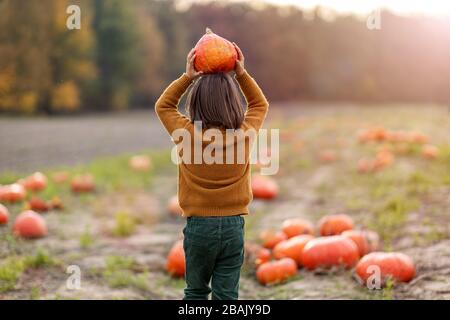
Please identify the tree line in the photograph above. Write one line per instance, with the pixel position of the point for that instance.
(126, 52)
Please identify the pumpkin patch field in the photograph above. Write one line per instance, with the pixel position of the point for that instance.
(361, 192)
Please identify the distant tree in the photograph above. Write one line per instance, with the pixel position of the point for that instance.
(116, 30)
(25, 70)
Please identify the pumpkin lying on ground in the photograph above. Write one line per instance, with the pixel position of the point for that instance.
(36, 182)
(327, 156)
(255, 254)
(4, 214)
(397, 266)
(262, 256)
(383, 159)
(359, 239)
(271, 238)
(173, 206)
(176, 263)
(326, 252)
(418, 137)
(29, 224)
(60, 177)
(335, 224)
(366, 241)
(430, 152)
(264, 187)
(374, 134)
(297, 226)
(276, 271)
(214, 54)
(292, 248)
(83, 183)
(12, 193)
(56, 204)
(140, 163)
(38, 205)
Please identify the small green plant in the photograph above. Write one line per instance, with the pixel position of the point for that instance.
(388, 291)
(124, 224)
(10, 271)
(86, 238)
(119, 273)
(39, 260)
(35, 293)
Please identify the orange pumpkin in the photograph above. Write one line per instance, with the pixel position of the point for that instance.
(430, 152)
(418, 137)
(383, 159)
(271, 238)
(38, 205)
(292, 248)
(276, 271)
(327, 156)
(297, 226)
(395, 265)
(377, 134)
(4, 214)
(60, 177)
(174, 206)
(366, 241)
(397, 137)
(214, 54)
(36, 182)
(335, 224)
(176, 263)
(264, 187)
(255, 254)
(29, 224)
(263, 255)
(56, 204)
(366, 165)
(140, 163)
(83, 183)
(12, 193)
(326, 252)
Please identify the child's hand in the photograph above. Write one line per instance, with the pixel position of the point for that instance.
(190, 69)
(239, 68)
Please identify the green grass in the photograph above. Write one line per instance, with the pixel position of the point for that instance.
(125, 224)
(12, 268)
(86, 238)
(39, 260)
(10, 271)
(110, 174)
(119, 273)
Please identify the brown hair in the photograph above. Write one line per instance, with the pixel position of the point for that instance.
(214, 99)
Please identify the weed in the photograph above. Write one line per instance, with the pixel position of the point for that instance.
(118, 273)
(10, 272)
(86, 238)
(124, 224)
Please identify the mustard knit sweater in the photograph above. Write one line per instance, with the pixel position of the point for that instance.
(213, 189)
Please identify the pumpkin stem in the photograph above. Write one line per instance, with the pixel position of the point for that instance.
(208, 30)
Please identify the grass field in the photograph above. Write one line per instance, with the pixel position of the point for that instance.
(119, 235)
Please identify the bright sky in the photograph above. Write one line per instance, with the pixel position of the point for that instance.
(427, 7)
(405, 7)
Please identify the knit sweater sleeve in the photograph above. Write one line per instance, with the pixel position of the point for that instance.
(257, 105)
(167, 105)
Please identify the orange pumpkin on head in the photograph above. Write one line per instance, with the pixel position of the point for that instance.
(214, 54)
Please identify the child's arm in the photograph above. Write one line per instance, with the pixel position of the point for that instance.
(257, 105)
(167, 105)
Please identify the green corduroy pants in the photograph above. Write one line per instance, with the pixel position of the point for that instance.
(214, 249)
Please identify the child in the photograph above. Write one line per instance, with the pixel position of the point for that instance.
(213, 196)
